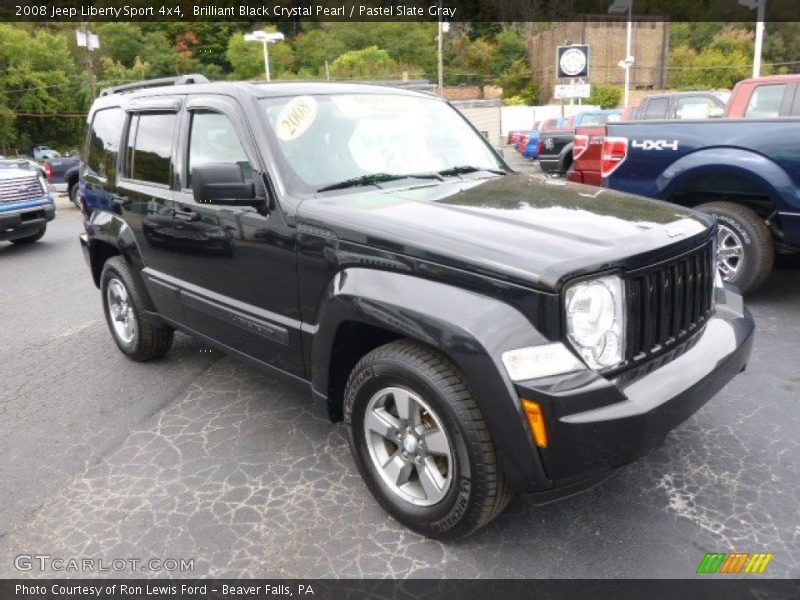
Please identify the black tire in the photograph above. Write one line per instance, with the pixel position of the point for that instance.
(755, 239)
(73, 195)
(478, 491)
(151, 340)
(31, 238)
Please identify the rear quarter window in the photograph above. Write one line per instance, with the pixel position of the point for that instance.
(103, 142)
(656, 108)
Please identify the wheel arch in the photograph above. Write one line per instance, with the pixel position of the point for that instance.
(565, 158)
(725, 173)
(469, 329)
(110, 235)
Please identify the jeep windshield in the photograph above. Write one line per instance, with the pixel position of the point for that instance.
(351, 141)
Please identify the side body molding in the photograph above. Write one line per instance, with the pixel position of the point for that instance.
(471, 329)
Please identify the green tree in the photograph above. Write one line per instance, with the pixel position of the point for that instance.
(518, 81)
(605, 96)
(509, 48)
(722, 63)
(38, 76)
(247, 59)
(119, 42)
(159, 54)
(315, 46)
(368, 62)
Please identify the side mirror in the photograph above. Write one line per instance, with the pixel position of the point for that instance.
(221, 183)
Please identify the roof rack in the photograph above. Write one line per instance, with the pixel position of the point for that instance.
(148, 83)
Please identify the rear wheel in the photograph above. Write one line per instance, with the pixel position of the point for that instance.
(421, 443)
(136, 333)
(31, 238)
(745, 248)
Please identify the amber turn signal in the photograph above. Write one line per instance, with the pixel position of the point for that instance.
(536, 422)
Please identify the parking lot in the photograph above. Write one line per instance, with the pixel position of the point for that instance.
(199, 456)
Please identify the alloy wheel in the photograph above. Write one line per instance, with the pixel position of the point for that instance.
(409, 446)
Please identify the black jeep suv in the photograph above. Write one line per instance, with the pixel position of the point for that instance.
(478, 330)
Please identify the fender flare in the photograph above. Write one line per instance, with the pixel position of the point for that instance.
(108, 228)
(762, 171)
(471, 329)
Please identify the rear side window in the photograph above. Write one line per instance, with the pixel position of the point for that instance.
(656, 108)
(149, 152)
(104, 134)
(765, 102)
(696, 107)
(593, 120)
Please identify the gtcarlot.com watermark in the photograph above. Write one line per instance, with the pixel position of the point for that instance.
(46, 562)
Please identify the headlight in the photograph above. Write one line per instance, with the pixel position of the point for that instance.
(595, 320)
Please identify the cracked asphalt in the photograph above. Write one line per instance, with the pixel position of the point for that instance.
(199, 456)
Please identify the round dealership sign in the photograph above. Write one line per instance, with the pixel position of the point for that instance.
(573, 61)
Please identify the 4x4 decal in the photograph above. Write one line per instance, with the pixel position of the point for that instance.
(655, 144)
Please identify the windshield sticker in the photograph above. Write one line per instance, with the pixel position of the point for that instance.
(295, 118)
(375, 105)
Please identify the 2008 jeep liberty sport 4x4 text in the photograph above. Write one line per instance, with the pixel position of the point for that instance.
(478, 330)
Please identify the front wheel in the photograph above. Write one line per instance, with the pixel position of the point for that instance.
(421, 443)
(745, 248)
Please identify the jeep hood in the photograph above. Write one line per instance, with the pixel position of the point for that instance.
(517, 227)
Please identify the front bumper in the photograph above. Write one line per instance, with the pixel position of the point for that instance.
(596, 424)
(24, 218)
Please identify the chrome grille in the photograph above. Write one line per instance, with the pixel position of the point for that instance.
(19, 189)
(668, 301)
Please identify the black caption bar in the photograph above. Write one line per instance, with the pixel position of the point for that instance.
(262, 589)
(262, 11)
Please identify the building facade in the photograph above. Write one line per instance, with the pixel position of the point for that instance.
(605, 36)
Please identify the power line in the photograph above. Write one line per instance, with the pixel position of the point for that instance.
(12, 113)
(750, 66)
(60, 85)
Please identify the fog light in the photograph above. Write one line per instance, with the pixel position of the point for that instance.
(535, 417)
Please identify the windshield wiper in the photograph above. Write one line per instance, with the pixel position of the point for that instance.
(464, 169)
(375, 178)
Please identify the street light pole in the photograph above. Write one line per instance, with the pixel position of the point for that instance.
(265, 39)
(629, 35)
(619, 7)
(440, 58)
(266, 58)
(761, 7)
(759, 38)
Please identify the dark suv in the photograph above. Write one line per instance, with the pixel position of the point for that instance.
(478, 330)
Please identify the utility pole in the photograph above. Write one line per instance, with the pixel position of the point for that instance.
(88, 58)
